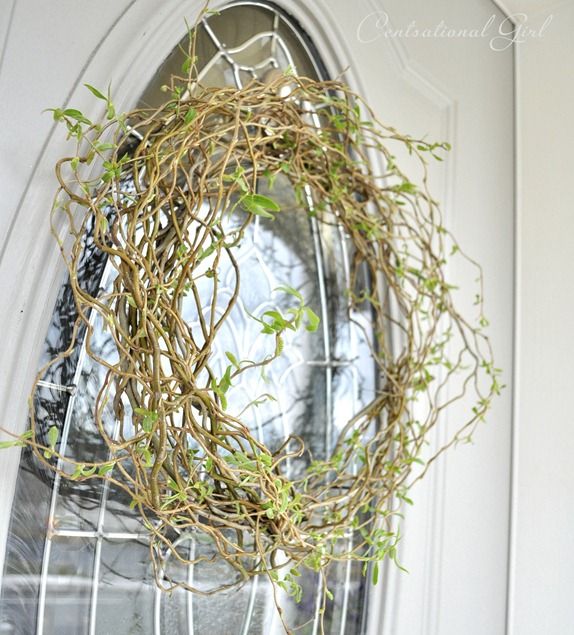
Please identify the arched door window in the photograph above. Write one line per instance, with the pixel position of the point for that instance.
(77, 558)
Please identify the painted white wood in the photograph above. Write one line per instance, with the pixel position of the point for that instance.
(531, 8)
(459, 90)
(47, 44)
(456, 536)
(542, 575)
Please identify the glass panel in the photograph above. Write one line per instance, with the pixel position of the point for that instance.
(69, 585)
(125, 597)
(78, 558)
(28, 525)
(77, 505)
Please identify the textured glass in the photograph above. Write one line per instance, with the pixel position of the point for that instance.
(69, 585)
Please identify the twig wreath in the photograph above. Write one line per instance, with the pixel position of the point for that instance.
(167, 181)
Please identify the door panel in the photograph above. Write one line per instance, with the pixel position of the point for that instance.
(455, 537)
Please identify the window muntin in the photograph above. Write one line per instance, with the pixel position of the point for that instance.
(90, 571)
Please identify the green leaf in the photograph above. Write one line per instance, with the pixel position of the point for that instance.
(290, 291)
(278, 323)
(264, 201)
(220, 393)
(96, 92)
(78, 471)
(102, 147)
(58, 113)
(266, 459)
(105, 469)
(146, 455)
(407, 187)
(53, 434)
(186, 66)
(19, 442)
(313, 319)
(181, 251)
(259, 205)
(148, 418)
(270, 176)
(375, 572)
(77, 115)
(225, 382)
(131, 301)
(232, 359)
(207, 252)
(190, 115)
(238, 177)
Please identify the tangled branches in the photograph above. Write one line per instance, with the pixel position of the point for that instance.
(155, 191)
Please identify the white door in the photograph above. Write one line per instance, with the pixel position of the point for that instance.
(456, 86)
(448, 87)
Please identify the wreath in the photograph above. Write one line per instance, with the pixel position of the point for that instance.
(157, 191)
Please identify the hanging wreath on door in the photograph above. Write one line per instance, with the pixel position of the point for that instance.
(155, 189)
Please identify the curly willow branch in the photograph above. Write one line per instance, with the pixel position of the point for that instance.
(166, 182)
